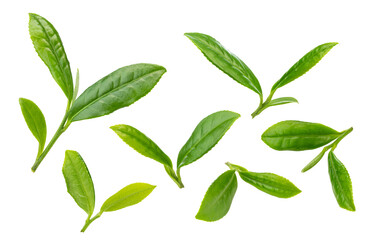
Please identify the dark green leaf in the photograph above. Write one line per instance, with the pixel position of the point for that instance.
(281, 101)
(128, 196)
(341, 183)
(79, 182)
(298, 136)
(226, 61)
(35, 121)
(271, 183)
(205, 136)
(50, 49)
(119, 89)
(218, 198)
(141, 143)
(304, 64)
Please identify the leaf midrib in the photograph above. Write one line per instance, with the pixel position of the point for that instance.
(124, 198)
(215, 200)
(337, 180)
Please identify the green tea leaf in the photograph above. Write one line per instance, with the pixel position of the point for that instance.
(236, 167)
(49, 47)
(298, 136)
(341, 182)
(35, 121)
(281, 101)
(76, 87)
(218, 198)
(79, 182)
(119, 89)
(226, 61)
(205, 136)
(271, 183)
(315, 161)
(304, 64)
(128, 196)
(141, 143)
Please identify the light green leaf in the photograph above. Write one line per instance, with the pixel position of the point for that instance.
(49, 47)
(35, 121)
(341, 183)
(128, 196)
(281, 101)
(76, 87)
(236, 167)
(218, 198)
(315, 161)
(79, 182)
(304, 64)
(119, 89)
(226, 61)
(205, 136)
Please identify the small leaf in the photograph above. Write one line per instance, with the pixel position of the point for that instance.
(281, 101)
(76, 87)
(298, 136)
(341, 183)
(218, 198)
(49, 47)
(128, 196)
(119, 89)
(315, 161)
(236, 167)
(304, 64)
(205, 136)
(79, 182)
(141, 143)
(271, 183)
(226, 61)
(35, 121)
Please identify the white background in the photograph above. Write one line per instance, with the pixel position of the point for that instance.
(269, 36)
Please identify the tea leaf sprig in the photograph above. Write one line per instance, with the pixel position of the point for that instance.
(81, 188)
(119, 89)
(205, 136)
(300, 136)
(219, 196)
(235, 68)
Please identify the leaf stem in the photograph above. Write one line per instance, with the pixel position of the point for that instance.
(344, 134)
(263, 105)
(89, 221)
(178, 179)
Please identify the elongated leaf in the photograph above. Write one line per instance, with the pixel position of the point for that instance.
(35, 121)
(119, 89)
(315, 161)
(205, 136)
(236, 167)
(76, 87)
(298, 136)
(49, 47)
(341, 183)
(141, 143)
(304, 64)
(271, 183)
(128, 196)
(282, 100)
(218, 198)
(79, 182)
(226, 61)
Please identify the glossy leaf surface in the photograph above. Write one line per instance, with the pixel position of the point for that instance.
(50, 49)
(119, 89)
(141, 143)
(226, 61)
(128, 196)
(205, 136)
(218, 198)
(271, 183)
(341, 182)
(282, 100)
(79, 182)
(304, 64)
(298, 136)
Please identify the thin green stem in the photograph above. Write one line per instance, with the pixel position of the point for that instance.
(89, 221)
(179, 178)
(263, 105)
(173, 176)
(344, 134)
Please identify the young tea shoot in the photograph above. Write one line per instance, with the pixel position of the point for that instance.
(119, 89)
(235, 68)
(300, 136)
(81, 188)
(205, 136)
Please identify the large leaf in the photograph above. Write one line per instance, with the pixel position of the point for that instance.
(128, 196)
(205, 136)
(141, 143)
(304, 64)
(271, 183)
(79, 182)
(341, 182)
(298, 136)
(218, 198)
(119, 89)
(49, 47)
(225, 61)
(35, 121)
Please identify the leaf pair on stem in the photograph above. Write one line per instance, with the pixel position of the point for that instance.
(234, 67)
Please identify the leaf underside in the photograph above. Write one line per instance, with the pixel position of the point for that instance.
(282, 100)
